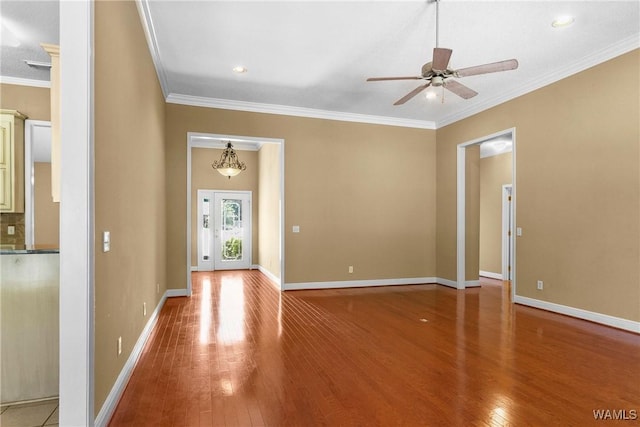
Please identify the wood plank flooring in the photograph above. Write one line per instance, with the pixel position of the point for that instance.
(240, 353)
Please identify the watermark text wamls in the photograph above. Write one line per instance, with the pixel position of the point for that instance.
(615, 414)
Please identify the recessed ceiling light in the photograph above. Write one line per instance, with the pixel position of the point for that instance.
(239, 69)
(562, 21)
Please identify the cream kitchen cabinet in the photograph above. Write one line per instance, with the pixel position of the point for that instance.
(11, 161)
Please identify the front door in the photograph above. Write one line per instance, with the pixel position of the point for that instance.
(224, 230)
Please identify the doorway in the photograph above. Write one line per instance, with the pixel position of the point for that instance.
(224, 230)
(462, 236)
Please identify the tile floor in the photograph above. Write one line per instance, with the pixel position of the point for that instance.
(37, 414)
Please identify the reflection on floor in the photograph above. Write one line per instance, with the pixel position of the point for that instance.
(241, 353)
(44, 413)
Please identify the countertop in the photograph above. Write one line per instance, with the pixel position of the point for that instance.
(27, 249)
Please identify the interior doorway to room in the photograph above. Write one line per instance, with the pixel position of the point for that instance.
(224, 230)
(504, 216)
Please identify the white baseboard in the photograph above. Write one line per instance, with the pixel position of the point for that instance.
(171, 293)
(491, 275)
(447, 282)
(604, 319)
(194, 268)
(270, 275)
(454, 284)
(109, 406)
(359, 283)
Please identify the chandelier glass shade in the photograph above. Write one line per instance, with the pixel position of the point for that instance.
(229, 165)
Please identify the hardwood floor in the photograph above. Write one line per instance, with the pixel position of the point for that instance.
(240, 353)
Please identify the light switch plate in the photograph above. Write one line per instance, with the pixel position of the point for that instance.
(106, 241)
(296, 228)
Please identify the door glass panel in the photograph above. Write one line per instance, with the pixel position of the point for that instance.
(206, 230)
(231, 229)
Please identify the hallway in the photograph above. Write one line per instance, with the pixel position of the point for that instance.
(238, 352)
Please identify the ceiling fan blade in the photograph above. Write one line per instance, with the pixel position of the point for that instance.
(441, 58)
(510, 64)
(382, 79)
(412, 94)
(459, 89)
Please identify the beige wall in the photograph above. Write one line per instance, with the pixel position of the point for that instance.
(46, 215)
(203, 177)
(31, 101)
(35, 104)
(577, 188)
(495, 171)
(338, 188)
(269, 208)
(129, 188)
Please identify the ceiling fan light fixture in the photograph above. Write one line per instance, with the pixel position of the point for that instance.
(562, 21)
(239, 69)
(431, 95)
(229, 165)
(437, 81)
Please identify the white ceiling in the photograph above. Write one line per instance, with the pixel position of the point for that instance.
(312, 58)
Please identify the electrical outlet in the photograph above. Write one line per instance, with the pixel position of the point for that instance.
(144, 308)
(119, 346)
(540, 285)
(11, 230)
(350, 269)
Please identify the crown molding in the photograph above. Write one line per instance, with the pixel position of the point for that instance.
(255, 107)
(207, 140)
(152, 41)
(24, 82)
(598, 57)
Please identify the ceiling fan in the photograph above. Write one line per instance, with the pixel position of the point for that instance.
(436, 73)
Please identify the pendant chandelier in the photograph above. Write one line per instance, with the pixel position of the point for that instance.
(229, 165)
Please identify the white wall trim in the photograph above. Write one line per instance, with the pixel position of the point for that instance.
(172, 293)
(194, 268)
(270, 275)
(598, 57)
(447, 282)
(604, 319)
(77, 215)
(461, 207)
(472, 284)
(150, 35)
(24, 82)
(229, 104)
(359, 283)
(491, 275)
(111, 402)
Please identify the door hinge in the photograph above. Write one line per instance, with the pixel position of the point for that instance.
(509, 198)
(509, 233)
(509, 268)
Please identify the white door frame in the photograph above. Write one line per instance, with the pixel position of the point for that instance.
(208, 140)
(76, 215)
(210, 265)
(461, 207)
(507, 231)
